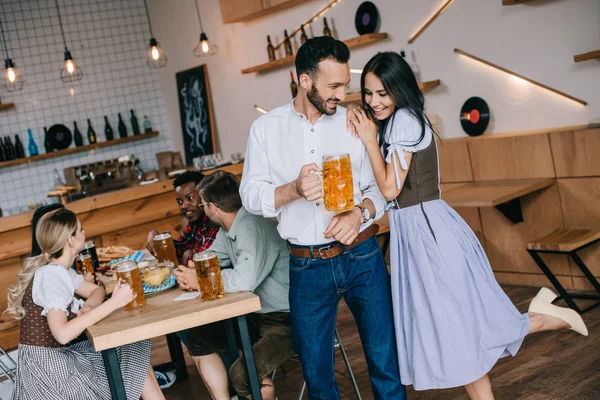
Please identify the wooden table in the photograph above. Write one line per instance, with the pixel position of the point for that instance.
(504, 195)
(162, 315)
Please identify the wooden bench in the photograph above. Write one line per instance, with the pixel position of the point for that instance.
(568, 242)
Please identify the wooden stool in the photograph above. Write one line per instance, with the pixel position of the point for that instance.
(567, 241)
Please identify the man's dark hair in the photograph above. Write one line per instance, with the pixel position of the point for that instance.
(186, 177)
(223, 190)
(317, 49)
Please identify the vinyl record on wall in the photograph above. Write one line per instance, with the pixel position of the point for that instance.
(367, 18)
(60, 136)
(474, 116)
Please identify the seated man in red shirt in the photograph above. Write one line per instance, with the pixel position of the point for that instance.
(200, 231)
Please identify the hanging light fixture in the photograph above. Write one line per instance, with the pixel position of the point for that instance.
(156, 57)
(70, 72)
(204, 47)
(12, 80)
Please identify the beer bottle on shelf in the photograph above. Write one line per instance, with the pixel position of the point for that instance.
(31, 146)
(47, 143)
(293, 85)
(108, 131)
(2, 157)
(147, 125)
(19, 150)
(270, 49)
(287, 44)
(91, 134)
(326, 30)
(303, 37)
(134, 124)
(77, 135)
(122, 128)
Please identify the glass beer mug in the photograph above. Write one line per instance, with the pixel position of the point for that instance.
(165, 249)
(128, 272)
(208, 271)
(337, 182)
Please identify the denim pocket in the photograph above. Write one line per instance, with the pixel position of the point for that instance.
(298, 264)
(365, 250)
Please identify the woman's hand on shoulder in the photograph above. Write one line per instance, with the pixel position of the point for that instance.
(364, 128)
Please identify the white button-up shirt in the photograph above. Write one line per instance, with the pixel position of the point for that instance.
(280, 143)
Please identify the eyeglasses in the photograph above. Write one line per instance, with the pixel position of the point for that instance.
(204, 204)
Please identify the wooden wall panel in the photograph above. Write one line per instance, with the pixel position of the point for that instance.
(580, 202)
(455, 163)
(9, 269)
(9, 335)
(15, 243)
(505, 241)
(535, 280)
(473, 219)
(129, 214)
(518, 157)
(135, 237)
(576, 153)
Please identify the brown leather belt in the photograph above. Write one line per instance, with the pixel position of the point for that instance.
(333, 249)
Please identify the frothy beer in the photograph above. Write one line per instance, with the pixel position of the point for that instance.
(209, 275)
(128, 272)
(165, 249)
(337, 182)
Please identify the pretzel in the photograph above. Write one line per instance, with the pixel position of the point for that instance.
(112, 253)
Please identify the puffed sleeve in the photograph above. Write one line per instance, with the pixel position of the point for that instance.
(76, 279)
(403, 133)
(53, 290)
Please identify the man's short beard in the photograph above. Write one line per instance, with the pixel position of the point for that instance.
(318, 102)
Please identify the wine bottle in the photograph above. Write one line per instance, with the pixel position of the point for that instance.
(134, 124)
(303, 37)
(77, 135)
(47, 143)
(19, 150)
(270, 49)
(10, 150)
(2, 156)
(326, 30)
(122, 128)
(287, 44)
(293, 85)
(147, 125)
(91, 134)
(31, 146)
(108, 131)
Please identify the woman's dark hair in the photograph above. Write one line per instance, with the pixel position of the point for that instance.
(39, 213)
(317, 49)
(401, 85)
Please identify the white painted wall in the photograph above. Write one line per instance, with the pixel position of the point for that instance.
(537, 40)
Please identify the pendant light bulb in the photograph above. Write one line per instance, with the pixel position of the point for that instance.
(11, 78)
(70, 72)
(156, 57)
(70, 66)
(205, 47)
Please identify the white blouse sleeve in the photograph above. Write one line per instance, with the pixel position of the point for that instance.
(53, 289)
(76, 279)
(402, 134)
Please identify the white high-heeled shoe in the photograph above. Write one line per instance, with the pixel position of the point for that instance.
(542, 304)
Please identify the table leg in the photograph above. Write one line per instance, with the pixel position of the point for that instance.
(249, 358)
(113, 374)
(231, 341)
(177, 357)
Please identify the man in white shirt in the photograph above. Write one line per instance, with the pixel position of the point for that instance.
(331, 255)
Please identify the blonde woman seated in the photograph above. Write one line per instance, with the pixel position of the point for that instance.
(56, 361)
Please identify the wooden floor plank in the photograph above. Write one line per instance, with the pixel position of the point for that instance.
(550, 365)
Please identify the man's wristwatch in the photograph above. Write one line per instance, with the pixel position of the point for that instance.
(365, 212)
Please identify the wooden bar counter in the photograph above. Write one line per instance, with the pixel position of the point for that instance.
(122, 217)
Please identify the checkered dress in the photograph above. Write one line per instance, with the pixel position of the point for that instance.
(48, 371)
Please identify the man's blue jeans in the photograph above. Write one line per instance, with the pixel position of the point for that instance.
(316, 286)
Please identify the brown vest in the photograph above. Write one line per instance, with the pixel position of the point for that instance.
(422, 180)
(34, 326)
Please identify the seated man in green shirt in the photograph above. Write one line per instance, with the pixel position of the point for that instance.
(259, 258)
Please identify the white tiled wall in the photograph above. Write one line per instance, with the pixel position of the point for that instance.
(108, 39)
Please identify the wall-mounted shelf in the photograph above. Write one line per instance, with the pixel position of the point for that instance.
(424, 86)
(6, 106)
(592, 55)
(513, 2)
(352, 43)
(73, 150)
